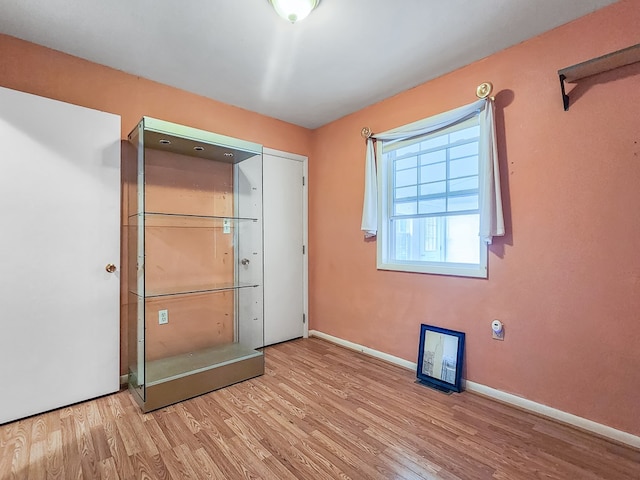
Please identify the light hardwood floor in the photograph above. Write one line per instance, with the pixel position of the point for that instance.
(319, 412)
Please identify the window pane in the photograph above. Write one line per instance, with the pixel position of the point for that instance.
(464, 150)
(407, 177)
(434, 142)
(453, 239)
(458, 204)
(433, 157)
(432, 173)
(458, 184)
(418, 240)
(463, 239)
(436, 205)
(433, 188)
(405, 208)
(464, 167)
(405, 163)
(466, 134)
(406, 192)
(432, 240)
(414, 148)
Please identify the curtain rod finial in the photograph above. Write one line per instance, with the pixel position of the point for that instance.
(366, 132)
(484, 90)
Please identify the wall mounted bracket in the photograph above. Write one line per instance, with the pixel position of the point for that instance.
(565, 97)
(607, 62)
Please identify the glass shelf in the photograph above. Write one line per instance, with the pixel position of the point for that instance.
(157, 219)
(196, 289)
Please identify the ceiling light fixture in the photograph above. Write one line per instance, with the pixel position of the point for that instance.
(294, 10)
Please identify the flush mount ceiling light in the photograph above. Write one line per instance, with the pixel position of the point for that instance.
(294, 10)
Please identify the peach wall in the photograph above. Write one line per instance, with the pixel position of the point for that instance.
(566, 278)
(34, 69)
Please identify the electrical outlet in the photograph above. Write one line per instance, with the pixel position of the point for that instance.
(163, 317)
(226, 226)
(497, 330)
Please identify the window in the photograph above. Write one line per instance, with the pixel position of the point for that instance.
(430, 202)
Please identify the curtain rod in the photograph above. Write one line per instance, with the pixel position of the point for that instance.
(483, 91)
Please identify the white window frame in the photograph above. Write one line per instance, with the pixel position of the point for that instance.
(385, 207)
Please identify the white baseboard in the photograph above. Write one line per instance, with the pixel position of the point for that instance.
(508, 398)
(360, 348)
(559, 415)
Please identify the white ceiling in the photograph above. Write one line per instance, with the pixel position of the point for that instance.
(346, 55)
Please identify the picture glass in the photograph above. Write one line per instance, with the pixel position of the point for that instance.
(440, 356)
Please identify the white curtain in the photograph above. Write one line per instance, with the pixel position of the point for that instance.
(491, 217)
(370, 208)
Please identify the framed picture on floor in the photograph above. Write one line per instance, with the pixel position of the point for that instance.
(440, 357)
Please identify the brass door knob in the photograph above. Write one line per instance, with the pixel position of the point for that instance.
(110, 268)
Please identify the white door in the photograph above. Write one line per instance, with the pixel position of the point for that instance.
(284, 272)
(60, 227)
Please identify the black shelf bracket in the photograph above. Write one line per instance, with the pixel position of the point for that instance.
(565, 97)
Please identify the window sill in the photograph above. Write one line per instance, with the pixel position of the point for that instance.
(452, 269)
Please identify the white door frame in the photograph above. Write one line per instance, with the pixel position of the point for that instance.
(305, 226)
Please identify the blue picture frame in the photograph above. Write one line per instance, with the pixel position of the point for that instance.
(440, 358)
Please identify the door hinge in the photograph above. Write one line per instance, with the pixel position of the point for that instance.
(303, 181)
(304, 249)
(304, 319)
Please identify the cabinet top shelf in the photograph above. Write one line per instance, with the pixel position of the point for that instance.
(607, 62)
(180, 139)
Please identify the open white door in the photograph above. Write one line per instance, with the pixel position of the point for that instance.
(284, 239)
(60, 217)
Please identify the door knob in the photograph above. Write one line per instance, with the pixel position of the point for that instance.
(244, 261)
(110, 268)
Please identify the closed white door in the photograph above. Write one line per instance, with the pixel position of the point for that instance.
(60, 227)
(284, 285)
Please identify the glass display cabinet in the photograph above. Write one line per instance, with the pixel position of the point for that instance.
(195, 263)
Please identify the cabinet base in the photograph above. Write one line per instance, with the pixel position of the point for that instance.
(179, 389)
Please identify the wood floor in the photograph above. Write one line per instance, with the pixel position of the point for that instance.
(319, 412)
